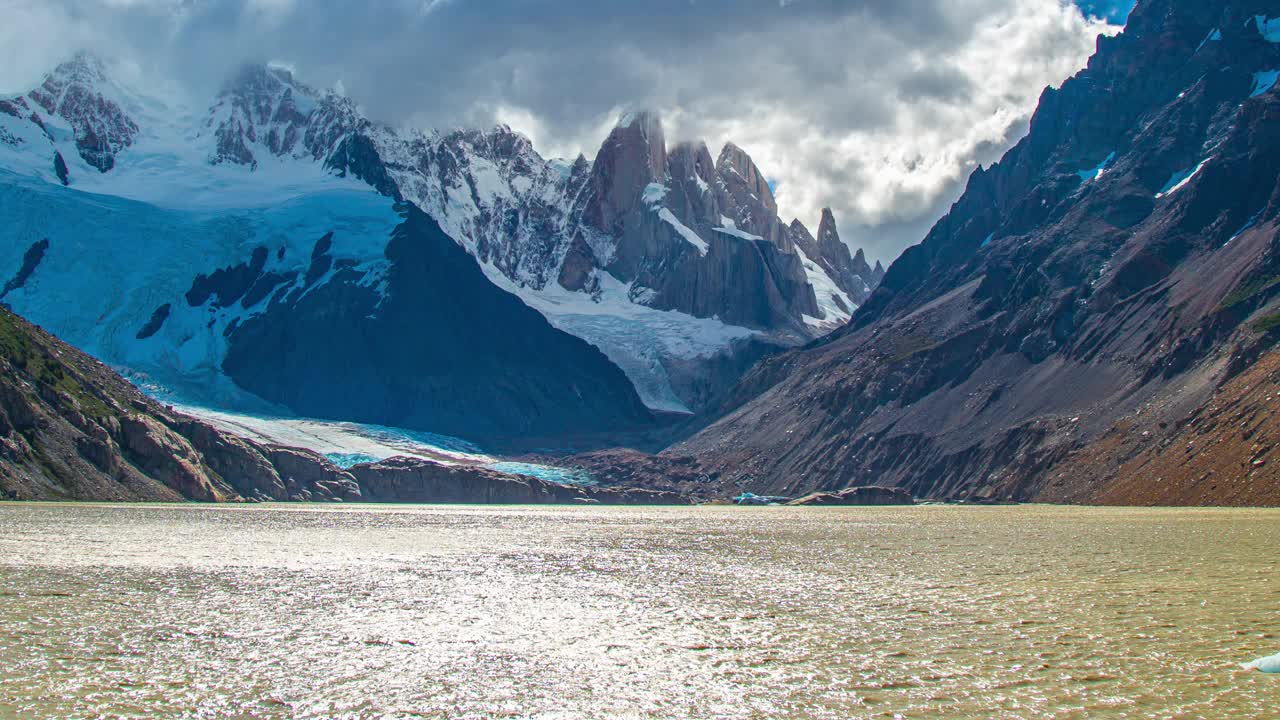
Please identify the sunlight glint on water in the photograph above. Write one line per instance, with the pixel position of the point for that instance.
(299, 611)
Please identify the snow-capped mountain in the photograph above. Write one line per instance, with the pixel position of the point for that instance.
(207, 231)
(289, 279)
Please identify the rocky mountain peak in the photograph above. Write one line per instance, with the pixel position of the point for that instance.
(76, 91)
(632, 157)
(692, 177)
(828, 234)
(736, 167)
(264, 106)
(259, 90)
(84, 68)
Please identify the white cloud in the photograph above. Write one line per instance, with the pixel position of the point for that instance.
(877, 108)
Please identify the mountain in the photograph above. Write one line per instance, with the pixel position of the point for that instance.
(1091, 322)
(72, 429)
(279, 249)
(231, 261)
(675, 264)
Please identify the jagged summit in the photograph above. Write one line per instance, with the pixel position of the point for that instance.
(83, 67)
(264, 110)
(734, 161)
(670, 259)
(78, 93)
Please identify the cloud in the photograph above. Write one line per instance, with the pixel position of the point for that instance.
(877, 108)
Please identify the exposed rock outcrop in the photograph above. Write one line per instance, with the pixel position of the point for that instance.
(865, 495)
(30, 261)
(413, 480)
(71, 429)
(102, 128)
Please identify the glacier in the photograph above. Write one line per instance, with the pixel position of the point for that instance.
(219, 183)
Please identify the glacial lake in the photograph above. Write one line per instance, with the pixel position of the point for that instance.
(598, 612)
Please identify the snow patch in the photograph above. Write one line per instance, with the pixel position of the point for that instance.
(1243, 228)
(1263, 81)
(1268, 28)
(1096, 172)
(654, 193)
(684, 231)
(1214, 36)
(1179, 180)
(827, 292)
(729, 227)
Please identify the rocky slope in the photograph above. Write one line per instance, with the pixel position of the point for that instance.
(675, 265)
(72, 429)
(1104, 291)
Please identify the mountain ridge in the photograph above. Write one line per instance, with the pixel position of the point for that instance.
(1108, 278)
(673, 293)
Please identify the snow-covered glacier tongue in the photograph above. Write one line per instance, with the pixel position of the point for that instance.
(249, 258)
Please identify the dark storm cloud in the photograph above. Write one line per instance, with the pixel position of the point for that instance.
(877, 108)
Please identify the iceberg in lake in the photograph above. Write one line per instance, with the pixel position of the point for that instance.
(1267, 664)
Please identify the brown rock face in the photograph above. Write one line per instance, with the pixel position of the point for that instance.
(867, 495)
(166, 456)
(308, 475)
(1222, 454)
(747, 188)
(71, 429)
(689, 234)
(634, 155)
(413, 480)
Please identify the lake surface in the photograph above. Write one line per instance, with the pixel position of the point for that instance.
(591, 612)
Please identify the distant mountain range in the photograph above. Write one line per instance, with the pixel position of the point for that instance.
(279, 248)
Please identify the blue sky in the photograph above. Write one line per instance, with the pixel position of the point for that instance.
(1114, 10)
